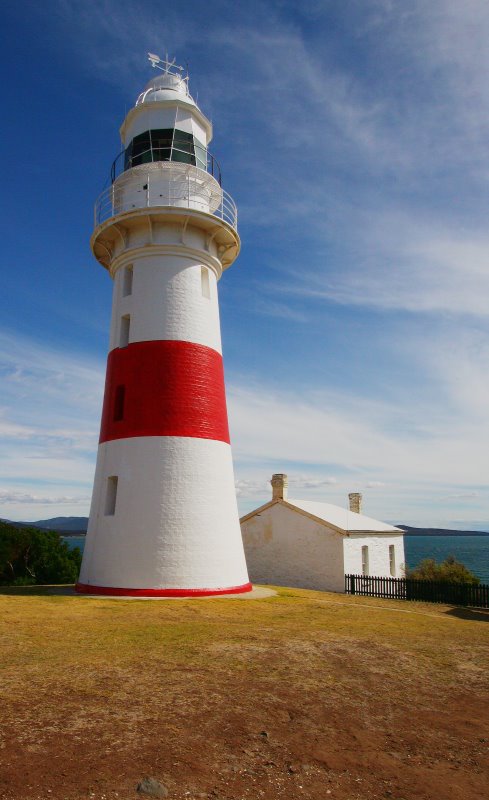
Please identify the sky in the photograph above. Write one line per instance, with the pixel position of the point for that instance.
(354, 137)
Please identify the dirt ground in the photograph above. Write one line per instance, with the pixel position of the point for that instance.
(301, 695)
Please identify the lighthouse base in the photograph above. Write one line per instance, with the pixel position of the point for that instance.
(84, 588)
(175, 528)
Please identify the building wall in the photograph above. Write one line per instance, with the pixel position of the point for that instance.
(285, 548)
(378, 555)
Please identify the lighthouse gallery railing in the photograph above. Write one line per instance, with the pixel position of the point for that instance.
(179, 191)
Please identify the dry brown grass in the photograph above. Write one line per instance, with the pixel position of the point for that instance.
(305, 694)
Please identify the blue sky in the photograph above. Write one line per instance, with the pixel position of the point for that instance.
(354, 138)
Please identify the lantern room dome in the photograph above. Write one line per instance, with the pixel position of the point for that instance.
(166, 86)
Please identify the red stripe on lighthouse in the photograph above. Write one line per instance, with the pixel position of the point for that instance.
(85, 588)
(164, 388)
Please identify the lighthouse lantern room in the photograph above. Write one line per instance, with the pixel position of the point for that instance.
(164, 518)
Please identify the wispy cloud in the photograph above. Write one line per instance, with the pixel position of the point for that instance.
(255, 488)
(337, 441)
(305, 482)
(24, 498)
(268, 307)
(407, 265)
(358, 157)
(359, 436)
(251, 488)
(49, 421)
(464, 495)
(426, 448)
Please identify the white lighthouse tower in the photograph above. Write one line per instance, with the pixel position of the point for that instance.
(164, 518)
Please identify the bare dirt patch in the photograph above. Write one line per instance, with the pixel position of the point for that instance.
(305, 695)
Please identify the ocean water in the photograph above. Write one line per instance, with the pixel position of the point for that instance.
(473, 551)
(74, 541)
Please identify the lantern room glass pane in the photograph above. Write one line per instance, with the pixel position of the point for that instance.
(183, 147)
(161, 140)
(200, 155)
(165, 144)
(141, 149)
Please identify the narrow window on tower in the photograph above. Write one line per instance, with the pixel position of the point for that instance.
(365, 560)
(204, 279)
(124, 334)
(392, 559)
(120, 394)
(127, 281)
(111, 496)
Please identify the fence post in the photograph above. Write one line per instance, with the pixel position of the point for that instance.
(352, 584)
(464, 599)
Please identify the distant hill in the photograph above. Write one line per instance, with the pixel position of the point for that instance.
(439, 531)
(70, 526)
(62, 523)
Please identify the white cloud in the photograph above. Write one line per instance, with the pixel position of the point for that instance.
(49, 422)
(393, 444)
(408, 264)
(251, 488)
(367, 188)
(271, 308)
(283, 428)
(464, 495)
(25, 498)
(305, 482)
(339, 440)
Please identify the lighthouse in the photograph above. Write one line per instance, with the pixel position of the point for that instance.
(164, 518)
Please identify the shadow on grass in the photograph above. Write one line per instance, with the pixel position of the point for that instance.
(473, 614)
(39, 591)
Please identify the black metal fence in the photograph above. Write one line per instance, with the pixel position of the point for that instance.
(457, 594)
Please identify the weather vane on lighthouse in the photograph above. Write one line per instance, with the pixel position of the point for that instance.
(164, 519)
(165, 65)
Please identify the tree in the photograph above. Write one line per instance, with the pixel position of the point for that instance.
(449, 571)
(30, 555)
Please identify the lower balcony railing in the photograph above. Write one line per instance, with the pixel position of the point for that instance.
(169, 186)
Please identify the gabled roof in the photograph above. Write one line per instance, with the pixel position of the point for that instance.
(341, 519)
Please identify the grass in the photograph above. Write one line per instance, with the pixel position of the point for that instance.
(118, 678)
(58, 632)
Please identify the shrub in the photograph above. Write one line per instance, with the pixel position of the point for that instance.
(33, 556)
(449, 571)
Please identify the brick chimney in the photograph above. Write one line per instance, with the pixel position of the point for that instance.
(355, 500)
(280, 485)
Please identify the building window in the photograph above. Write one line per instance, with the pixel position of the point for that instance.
(392, 560)
(204, 279)
(120, 394)
(364, 560)
(111, 496)
(124, 334)
(127, 281)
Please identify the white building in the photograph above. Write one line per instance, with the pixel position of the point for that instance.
(314, 545)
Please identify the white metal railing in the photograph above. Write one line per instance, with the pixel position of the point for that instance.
(168, 188)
